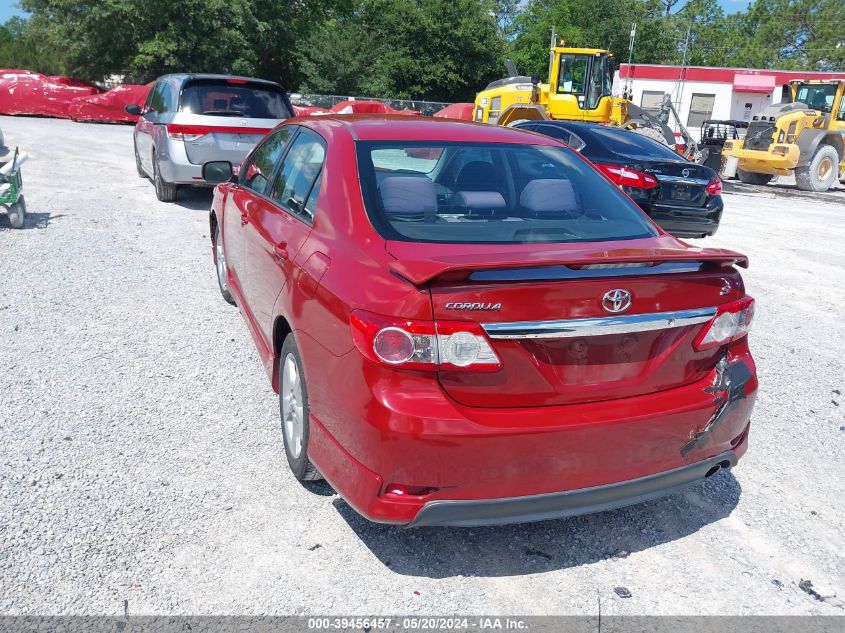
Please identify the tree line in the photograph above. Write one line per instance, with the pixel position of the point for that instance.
(441, 50)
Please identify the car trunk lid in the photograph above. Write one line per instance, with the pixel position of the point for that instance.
(679, 182)
(546, 316)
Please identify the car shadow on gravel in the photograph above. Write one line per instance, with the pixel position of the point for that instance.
(515, 550)
(194, 198)
(33, 221)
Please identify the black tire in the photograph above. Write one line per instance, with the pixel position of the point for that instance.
(751, 178)
(821, 172)
(138, 166)
(17, 214)
(165, 191)
(291, 401)
(221, 267)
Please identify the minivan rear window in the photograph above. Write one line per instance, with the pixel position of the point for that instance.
(492, 193)
(246, 99)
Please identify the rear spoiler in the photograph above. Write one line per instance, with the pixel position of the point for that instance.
(422, 271)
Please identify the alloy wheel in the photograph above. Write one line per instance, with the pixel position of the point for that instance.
(292, 410)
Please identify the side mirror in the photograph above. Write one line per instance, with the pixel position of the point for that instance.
(217, 171)
(134, 109)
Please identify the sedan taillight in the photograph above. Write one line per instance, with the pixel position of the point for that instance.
(715, 187)
(627, 177)
(423, 345)
(731, 323)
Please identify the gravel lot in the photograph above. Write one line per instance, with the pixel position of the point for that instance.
(141, 457)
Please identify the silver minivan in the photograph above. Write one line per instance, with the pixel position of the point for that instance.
(191, 119)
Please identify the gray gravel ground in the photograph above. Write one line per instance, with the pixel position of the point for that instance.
(141, 457)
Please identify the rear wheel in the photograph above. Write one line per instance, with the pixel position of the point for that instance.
(293, 406)
(165, 191)
(17, 214)
(752, 178)
(221, 267)
(821, 172)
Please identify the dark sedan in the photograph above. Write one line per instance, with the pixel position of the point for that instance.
(682, 197)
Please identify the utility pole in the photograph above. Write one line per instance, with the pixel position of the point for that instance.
(627, 91)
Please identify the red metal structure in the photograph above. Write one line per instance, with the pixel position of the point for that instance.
(452, 348)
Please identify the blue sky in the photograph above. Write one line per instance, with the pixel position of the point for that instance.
(9, 8)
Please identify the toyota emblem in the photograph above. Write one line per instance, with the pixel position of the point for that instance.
(616, 301)
(685, 173)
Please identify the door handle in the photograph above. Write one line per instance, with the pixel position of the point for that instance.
(280, 250)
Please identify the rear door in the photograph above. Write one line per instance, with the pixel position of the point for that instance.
(280, 224)
(223, 119)
(253, 191)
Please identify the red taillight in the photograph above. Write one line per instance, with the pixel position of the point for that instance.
(627, 177)
(186, 132)
(715, 187)
(181, 132)
(423, 345)
(732, 322)
(237, 82)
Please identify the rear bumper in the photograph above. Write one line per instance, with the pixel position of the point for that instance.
(370, 431)
(683, 221)
(571, 503)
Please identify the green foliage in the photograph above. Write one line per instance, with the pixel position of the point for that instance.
(439, 49)
(422, 49)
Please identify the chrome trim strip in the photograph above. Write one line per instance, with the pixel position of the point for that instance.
(601, 326)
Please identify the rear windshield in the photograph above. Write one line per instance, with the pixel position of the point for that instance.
(631, 145)
(492, 193)
(251, 100)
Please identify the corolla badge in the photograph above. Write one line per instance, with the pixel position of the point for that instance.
(685, 173)
(616, 300)
(457, 305)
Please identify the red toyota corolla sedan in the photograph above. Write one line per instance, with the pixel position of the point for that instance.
(468, 324)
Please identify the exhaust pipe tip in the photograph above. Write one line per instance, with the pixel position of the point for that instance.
(713, 471)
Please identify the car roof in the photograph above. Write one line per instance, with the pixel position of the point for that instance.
(187, 76)
(375, 127)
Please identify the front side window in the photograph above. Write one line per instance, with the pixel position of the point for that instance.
(492, 193)
(259, 167)
(156, 102)
(817, 96)
(298, 174)
(572, 74)
(596, 88)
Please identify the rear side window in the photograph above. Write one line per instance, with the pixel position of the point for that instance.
(234, 98)
(492, 193)
(298, 174)
(259, 167)
(570, 138)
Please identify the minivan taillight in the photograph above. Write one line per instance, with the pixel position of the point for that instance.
(732, 322)
(186, 132)
(627, 177)
(715, 187)
(423, 345)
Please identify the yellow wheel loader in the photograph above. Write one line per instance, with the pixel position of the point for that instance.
(579, 89)
(804, 137)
